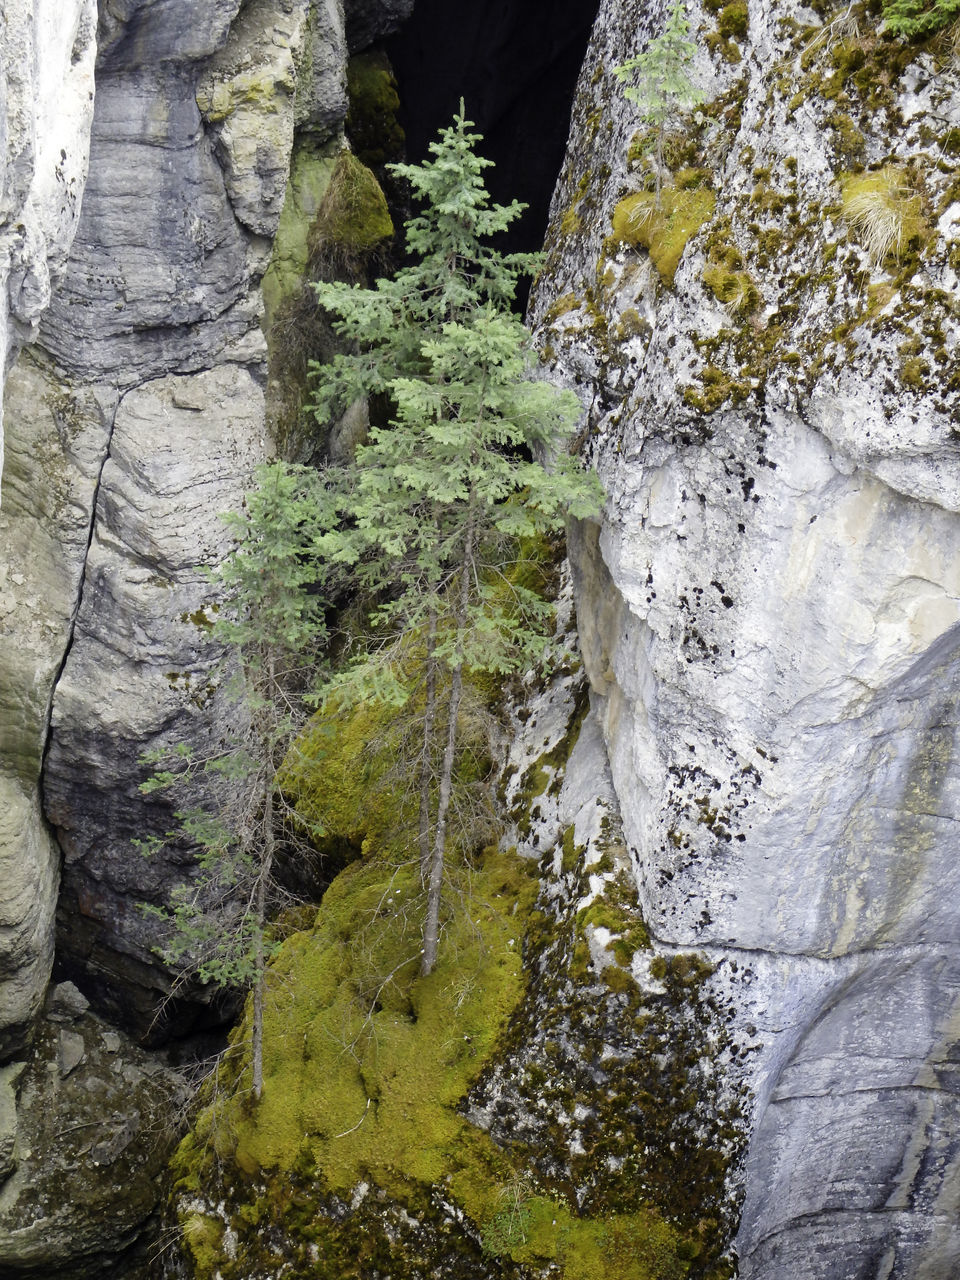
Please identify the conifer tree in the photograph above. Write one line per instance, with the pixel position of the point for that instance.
(272, 626)
(439, 496)
(917, 19)
(658, 80)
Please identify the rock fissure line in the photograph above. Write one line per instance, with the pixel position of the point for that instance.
(78, 601)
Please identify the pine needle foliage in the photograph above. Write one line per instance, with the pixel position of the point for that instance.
(438, 497)
(658, 81)
(918, 19)
(229, 808)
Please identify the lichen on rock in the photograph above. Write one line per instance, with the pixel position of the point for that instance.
(776, 433)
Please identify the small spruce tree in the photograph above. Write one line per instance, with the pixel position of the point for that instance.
(440, 495)
(918, 19)
(659, 83)
(272, 627)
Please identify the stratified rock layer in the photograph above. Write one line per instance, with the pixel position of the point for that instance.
(138, 674)
(771, 612)
(56, 442)
(197, 115)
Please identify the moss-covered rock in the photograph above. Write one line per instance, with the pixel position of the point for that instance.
(482, 1122)
(372, 125)
(334, 218)
(664, 224)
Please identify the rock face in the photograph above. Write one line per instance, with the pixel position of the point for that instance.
(138, 673)
(46, 110)
(770, 614)
(191, 150)
(139, 419)
(56, 443)
(85, 1128)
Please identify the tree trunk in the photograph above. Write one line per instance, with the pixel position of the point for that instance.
(431, 926)
(266, 868)
(429, 714)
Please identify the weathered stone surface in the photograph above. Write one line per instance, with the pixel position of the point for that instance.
(282, 68)
(90, 1149)
(138, 673)
(770, 618)
(66, 1003)
(46, 109)
(322, 82)
(56, 442)
(144, 33)
(9, 1079)
(158, 275)
(369, 20)
(174, 236)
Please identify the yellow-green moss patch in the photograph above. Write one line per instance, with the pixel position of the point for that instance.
(353, 216)
(663, 227)
(881, 212)
(371, 123)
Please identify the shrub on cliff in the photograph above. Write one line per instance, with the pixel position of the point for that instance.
(919, 18)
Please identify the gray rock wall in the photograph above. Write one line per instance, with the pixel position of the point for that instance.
(771, 611)
(139, 420)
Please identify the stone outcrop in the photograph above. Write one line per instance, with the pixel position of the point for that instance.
(369, 20)
(56, 443)
(191, 149)
(140, 419)
(85, 1129)
(770, 614)
(141, 673)
(46, 109)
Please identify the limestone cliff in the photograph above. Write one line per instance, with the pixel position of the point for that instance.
(45, 116)
(137, 418)
(770, 612)
(769, 617)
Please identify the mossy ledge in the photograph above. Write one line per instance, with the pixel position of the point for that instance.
(377, 1148)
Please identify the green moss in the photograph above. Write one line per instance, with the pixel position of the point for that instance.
(310, 172)
(734, 20)
(364, 1073)
(847, 57)
(353, 217)
(849, 141)
(915, 374)
(203, 1237)
(334, 219)
(728, 282)
(723, 47)
(372, 125)
(572, 852)
(882, 213)
(663, 229)
(718, 388)
(631, 325)
(561, 307)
